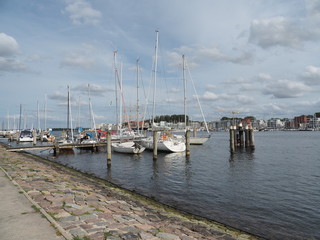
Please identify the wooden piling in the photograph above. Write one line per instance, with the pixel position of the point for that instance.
(235, 137)
(251, 137)
(246, 133)
(187, 136)
(194, 132)
(232, 139)
(241, 136)
(108, 148)
(56, 149)
(155, 144)
(34, 134)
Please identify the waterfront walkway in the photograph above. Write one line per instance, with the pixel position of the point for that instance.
(83, 207)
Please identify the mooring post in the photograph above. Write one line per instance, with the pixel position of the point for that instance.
(34, 135)
(56, 149)
(241, 136)
(246, 133)
(251, 137)
(155, 144)
(194, 132)
(187, 143)
(235, 137)
(232, 139)
(108, 148)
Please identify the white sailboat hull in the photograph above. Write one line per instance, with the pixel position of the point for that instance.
(127, 147)
(164, 145)
(198, 140)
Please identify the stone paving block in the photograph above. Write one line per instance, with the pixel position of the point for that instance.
(95, 230)
(163, 235)
(130, 236)
(69, 219)
(102, 224)
(72, 205)
(77, 232)
(148, 236)
(144, 227)
(97, 236)
(88, 216)
(62, 214)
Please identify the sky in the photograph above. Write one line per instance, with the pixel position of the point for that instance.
(258, 57)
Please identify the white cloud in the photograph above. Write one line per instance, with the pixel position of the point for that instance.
(209, 96)
(8, 45)
(312, 76)
(199, 53)
(11, 65)
(285, 89)
(8, 50)
(279, 31)
(81, 12)
(82, 58)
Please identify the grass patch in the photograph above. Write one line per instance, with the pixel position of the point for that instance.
(35, 208)
(81, 238)
(52, 215)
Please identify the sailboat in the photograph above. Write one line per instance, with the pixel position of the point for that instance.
(167, 141)
(125, 145)
(91, 135)
(194, 140)
(66, 138)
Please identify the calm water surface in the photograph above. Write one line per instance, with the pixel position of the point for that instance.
(273, 191)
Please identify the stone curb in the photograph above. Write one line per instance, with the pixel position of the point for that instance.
(65, 234)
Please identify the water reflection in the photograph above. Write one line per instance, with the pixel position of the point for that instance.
(242, 154)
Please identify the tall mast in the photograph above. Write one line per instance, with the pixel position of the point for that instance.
(38, 116)
(121, 99)
(185, 90)
(138, 96)
(116, 86)
(90, 110)
(155, 75)
(79, 113)
(71, 127)
(68, 110)
(45, 112)
(20, 117)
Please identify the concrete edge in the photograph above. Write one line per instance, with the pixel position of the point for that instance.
(64, 233)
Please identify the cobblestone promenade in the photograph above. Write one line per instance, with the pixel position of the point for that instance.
(83, 207)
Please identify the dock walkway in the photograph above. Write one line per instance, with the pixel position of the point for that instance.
(86, 207)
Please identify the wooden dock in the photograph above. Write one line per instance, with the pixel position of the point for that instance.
(55, 146)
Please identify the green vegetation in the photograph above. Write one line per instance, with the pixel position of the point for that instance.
(81, 238)
(35, 208)
(170, 118)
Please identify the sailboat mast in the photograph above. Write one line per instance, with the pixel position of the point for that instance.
(68, 111)
(155, 75)
(45, 112)
(116, 86)
(121, 99)
(185, 92)
(20, 117)
(138, 96)
(38, 116)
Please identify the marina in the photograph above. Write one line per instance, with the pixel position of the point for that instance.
(268, 191)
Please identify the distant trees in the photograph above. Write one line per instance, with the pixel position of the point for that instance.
(171, 118)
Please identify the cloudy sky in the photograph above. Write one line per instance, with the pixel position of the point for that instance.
(254, 56)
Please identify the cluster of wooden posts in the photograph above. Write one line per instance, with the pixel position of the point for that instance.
(241, 137)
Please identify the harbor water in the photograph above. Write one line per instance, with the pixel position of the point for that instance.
(272, 191)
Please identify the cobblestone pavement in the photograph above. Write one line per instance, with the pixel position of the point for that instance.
(84, 207)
